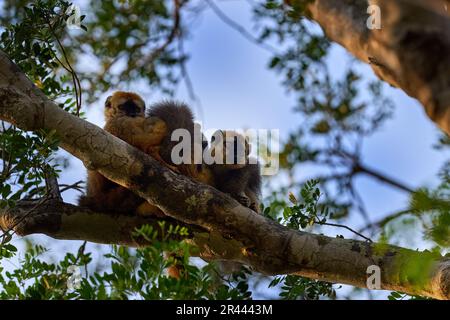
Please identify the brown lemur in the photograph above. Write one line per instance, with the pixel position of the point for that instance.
(236, 173)
(125, 118)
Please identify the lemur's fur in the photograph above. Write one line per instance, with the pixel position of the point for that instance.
(125, 118)
(237, 175)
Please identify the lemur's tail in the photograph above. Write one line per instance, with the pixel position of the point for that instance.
(176, 115)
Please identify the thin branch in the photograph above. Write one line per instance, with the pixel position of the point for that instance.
(187, 79)
(51, 184)
(75, 79)
(184, 72)
(385, 220)
(360, 203)
(76, 186)
(382, 177)
(345, 227)
(233, 24)
(172, 35)
(358, 167)
(20, 220)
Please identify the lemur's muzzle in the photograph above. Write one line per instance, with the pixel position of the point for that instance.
(130, 108)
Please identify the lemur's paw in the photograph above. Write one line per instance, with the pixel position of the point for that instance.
(242, 199)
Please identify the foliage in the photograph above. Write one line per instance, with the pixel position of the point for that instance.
(300, 216)
(434, 204)
(338, 111)
(395, 295)
(131, 274)
(140, 42)
(33, 44)
(295, 287)
(25, 159)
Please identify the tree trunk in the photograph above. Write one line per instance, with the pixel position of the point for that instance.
(411, 51)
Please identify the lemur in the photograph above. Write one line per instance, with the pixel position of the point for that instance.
(125, 118)
(237, 174)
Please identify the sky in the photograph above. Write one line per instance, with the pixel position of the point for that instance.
(237, 90)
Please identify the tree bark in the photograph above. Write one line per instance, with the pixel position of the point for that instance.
(411, 51)
(261, 243)
(309, 255)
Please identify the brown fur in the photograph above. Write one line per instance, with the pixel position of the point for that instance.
(125, 118)
(239, 178)
(176, 115)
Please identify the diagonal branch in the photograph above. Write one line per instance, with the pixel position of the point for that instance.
(68, 222)
(263, 244)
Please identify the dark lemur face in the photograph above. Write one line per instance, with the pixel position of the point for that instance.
(232, 147)
(122, 104)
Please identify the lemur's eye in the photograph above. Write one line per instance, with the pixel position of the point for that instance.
(108, 102)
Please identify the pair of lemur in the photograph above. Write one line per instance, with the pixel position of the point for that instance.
(151, 133)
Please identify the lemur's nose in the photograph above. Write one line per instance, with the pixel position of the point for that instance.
(130, 108)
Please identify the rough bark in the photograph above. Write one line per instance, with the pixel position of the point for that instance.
(411, 51)
(261, 243)
(309, 255)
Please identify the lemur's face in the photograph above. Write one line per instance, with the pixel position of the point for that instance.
(232, 147)
(122, 103)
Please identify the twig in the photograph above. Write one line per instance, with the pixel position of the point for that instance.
(6, 232)
(51, 184)
(382, 222)
(75, 79)
(233, 24)
(185, 74)
(172, 35)
(187, 79)
(343, 226)
(377, 175)
(359, 203)
(52, 193)
(75, 186)
(360, 168)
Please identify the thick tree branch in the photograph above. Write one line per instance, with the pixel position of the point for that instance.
(263, 244)
(65, 221)
(411, 51)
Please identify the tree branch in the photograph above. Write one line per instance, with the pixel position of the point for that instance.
(411, 51)
(382, 177)
(68, 222)
(262, 244)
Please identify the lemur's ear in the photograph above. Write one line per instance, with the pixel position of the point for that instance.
(108, 102)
